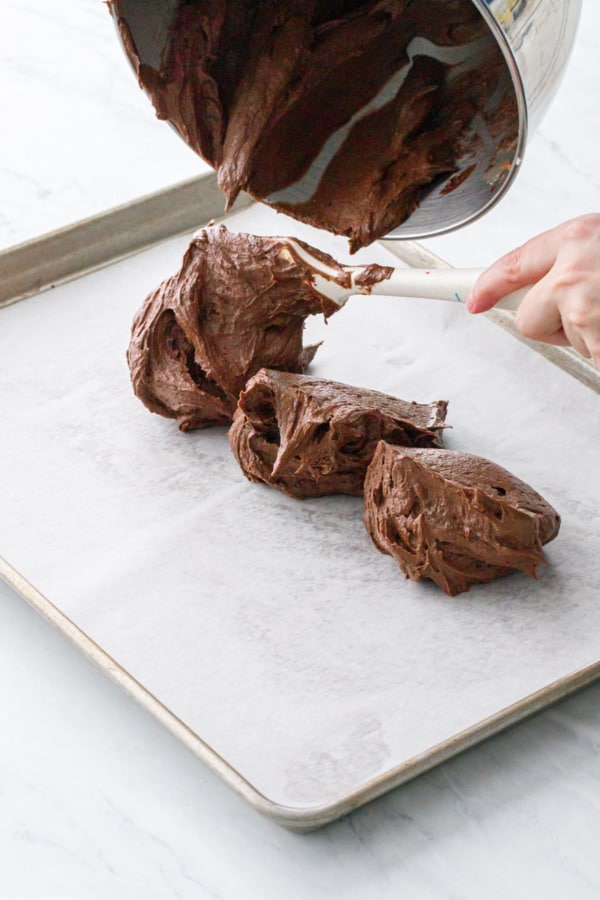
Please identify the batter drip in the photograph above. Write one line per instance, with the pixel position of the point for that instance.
(338, 112)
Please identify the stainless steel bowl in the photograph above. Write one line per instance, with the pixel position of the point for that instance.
(535, 38)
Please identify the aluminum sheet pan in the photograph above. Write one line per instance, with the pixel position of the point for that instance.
(268, 633)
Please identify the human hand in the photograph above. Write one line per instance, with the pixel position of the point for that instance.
(563, 267)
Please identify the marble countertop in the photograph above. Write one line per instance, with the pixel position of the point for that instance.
(97, 800)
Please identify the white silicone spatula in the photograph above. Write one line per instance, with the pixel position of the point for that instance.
(434, 284)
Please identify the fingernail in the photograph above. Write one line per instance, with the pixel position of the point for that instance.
(470, 304)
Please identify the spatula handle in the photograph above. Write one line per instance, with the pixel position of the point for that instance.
(440, 284)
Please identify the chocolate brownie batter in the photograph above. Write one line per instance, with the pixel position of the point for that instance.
(238, 303)
(310, 437)
(338, 112)
(455, 518)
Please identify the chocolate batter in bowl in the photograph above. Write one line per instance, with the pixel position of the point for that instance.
(367, 118)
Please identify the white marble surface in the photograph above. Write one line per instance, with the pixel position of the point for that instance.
(79, 137)
(96, 800)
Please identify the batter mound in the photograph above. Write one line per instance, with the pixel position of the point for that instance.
(455, 518)
(237, 304)
(310, 437)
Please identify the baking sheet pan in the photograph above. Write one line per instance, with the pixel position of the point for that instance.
(268, 633)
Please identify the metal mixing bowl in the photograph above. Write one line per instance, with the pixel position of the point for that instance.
(535, 38)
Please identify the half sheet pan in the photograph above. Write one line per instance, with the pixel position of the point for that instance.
(268, 633)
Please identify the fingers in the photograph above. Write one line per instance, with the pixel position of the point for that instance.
(519, 268)
(581, 320)
(562, 266)
(559, 339)
(559, 311)
(538, 316)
